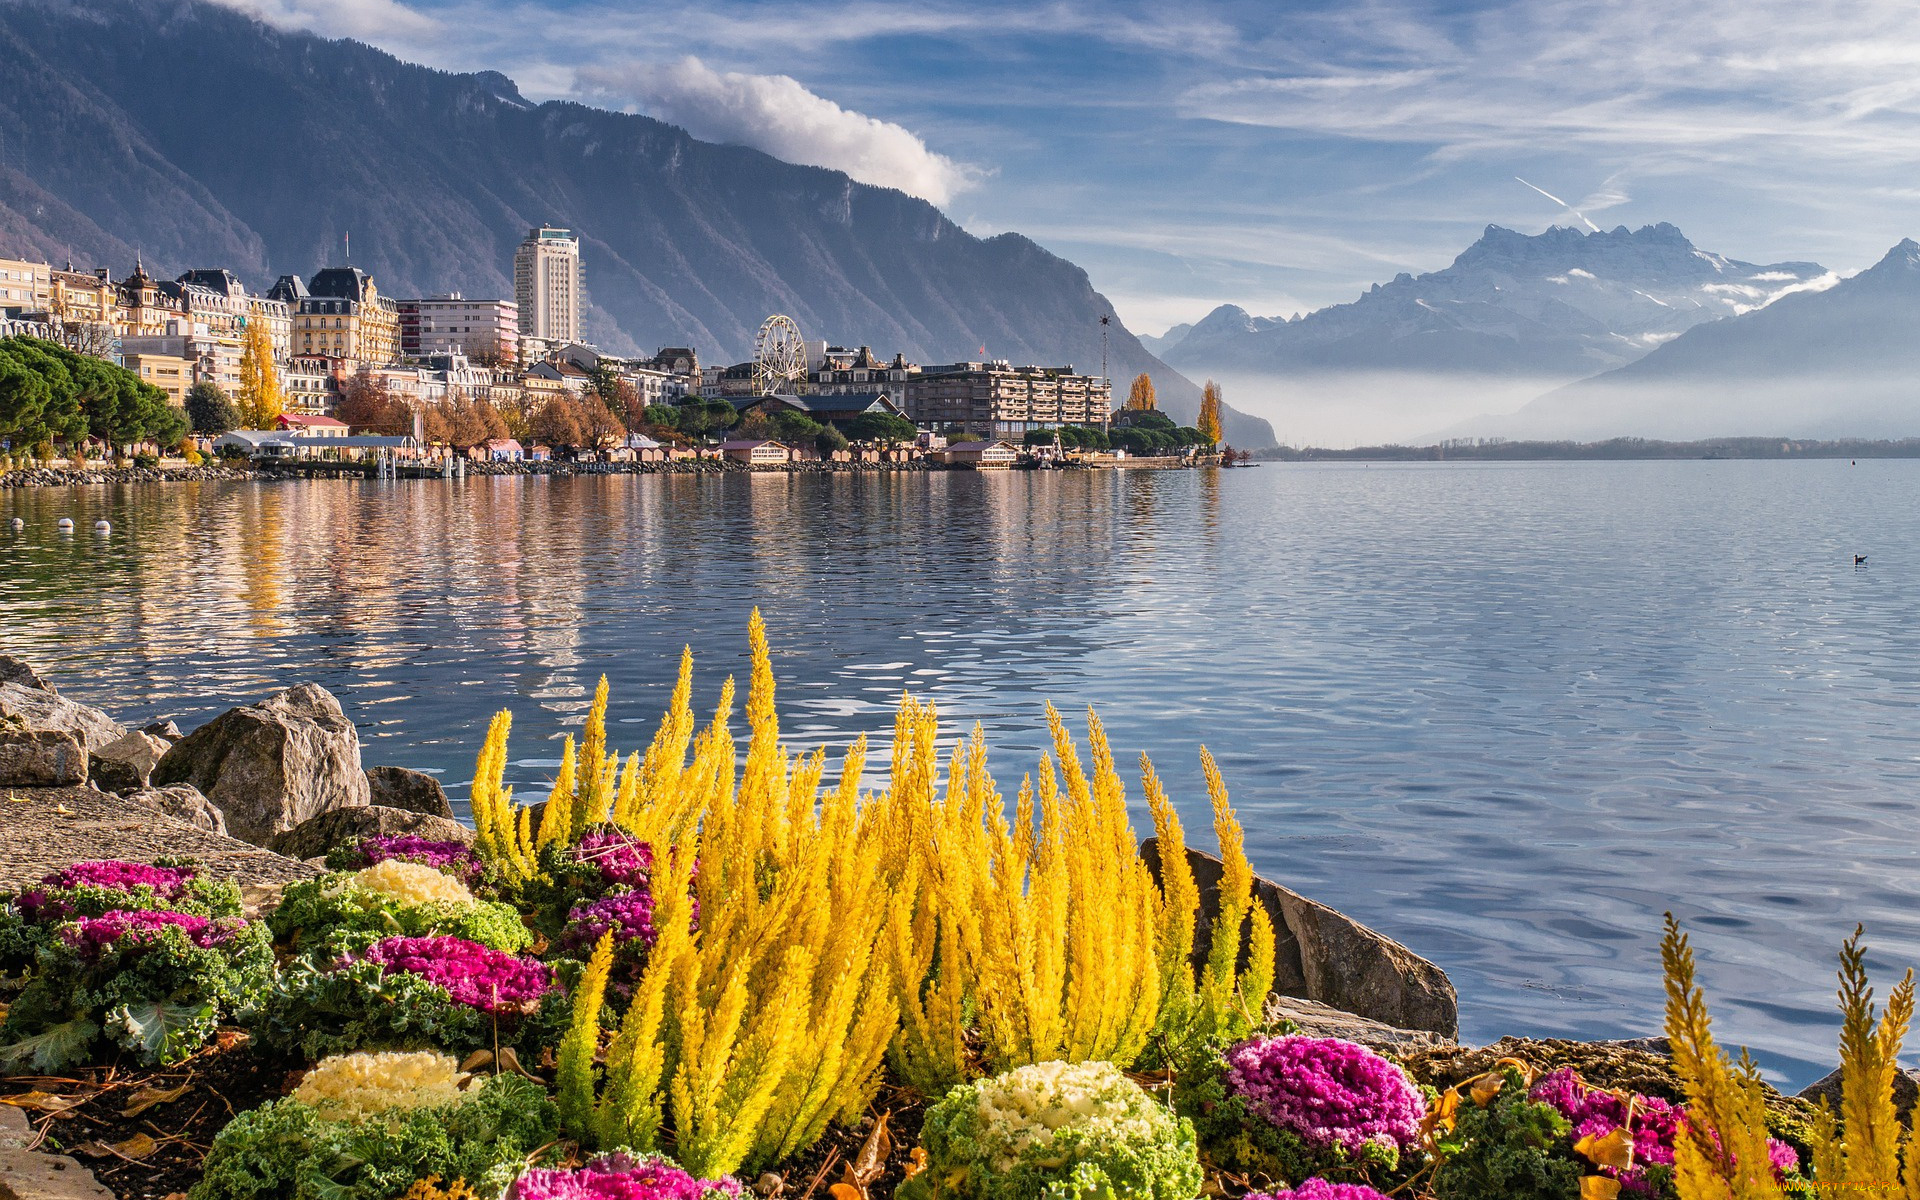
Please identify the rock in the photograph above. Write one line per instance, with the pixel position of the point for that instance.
(1320, 1020)
(257, 900)
(272, 765)
(15, 1132)
(183, 802)
(18, 670)
(166, 731)
(43, 708)
(409, 791)
(41, 758)
(1906, 1090)
(127, 764)
(30, 1175)
(344, 826)
(1323, 955)
(1602, 1064)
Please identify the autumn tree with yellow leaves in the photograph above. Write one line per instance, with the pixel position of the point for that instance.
(1209, 422)
(261, 399)
(1140, 398)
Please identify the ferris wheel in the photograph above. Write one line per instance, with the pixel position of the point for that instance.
(779, 356)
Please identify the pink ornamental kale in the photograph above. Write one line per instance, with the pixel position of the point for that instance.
(472, 974)
(454, 858)
(1321, 1189)
(620, 1177)
(93, 935)
(168, 883)
(1327, 1092)
(628, 915)
(624, 860)
(1595, 1113)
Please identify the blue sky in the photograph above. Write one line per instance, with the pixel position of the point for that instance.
(1281, 157)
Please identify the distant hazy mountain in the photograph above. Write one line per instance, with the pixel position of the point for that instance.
(200, 137)
(1562, 304)
(1166, 341)
(1843, 362)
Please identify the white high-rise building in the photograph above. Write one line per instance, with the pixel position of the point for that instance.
(546, 284)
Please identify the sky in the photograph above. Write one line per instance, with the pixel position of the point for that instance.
(1279, 156)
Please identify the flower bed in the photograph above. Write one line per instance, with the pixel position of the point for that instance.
(343, 912)
(91, 889)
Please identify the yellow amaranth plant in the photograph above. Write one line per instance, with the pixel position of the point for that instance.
(1720, 1151)
(835, 929)
(1859, 1147)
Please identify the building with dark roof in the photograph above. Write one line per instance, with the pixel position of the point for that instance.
(344, 315)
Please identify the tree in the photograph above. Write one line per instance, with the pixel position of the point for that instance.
(48, 391)
(1141, 397)
(621, 398)
(557, 423)
(599, 423)
(660, 417)
(880, 427)
(1209, 422)
(491, 422)
(261, 399)
(210, 410)
(368, 405)
(829, 441)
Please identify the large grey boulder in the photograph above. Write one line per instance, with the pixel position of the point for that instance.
(127, 764)
(319, 835)
(1323, 955)
(20, 671)
(409, 791)
(41, 758)
(166, 731)
(41, 708)
(1322, 1020)
(272, 765)
(183, 802)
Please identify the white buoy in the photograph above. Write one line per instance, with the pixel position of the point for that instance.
(66, 522)
(18, 523)
(102, 527)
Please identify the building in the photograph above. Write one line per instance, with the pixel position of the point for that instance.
(995, 399)
(170, 373)
(25, 285)
(981, 456)
(546, 284)
(486, 331)
(343, 315)
(756, 453)
(307, 425)
(312, 382)
(836, 370)
(213, 359)
(146, 311)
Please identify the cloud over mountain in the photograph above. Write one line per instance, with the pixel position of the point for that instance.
(777, 114)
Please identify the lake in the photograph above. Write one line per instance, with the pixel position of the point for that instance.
(1505, 713)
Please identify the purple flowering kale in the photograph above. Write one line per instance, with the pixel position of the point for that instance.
(623, 860)
(627, 915)
(472, 974)
(91, 935)
(1595, 1112)
(1321, 1189)
(43, 903)
(620, 1177)
(452, 858)
(1327, 1092)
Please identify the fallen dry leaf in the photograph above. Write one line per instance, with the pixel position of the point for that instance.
(136, 1147)
(873, 1155)
(476, 1060)
(847, 1191)
(41, 1101)
(916, 1162)
(145, 1098)
(229, 1038)
(1486, 1088)
(1593, 1187)
(1614, 1149)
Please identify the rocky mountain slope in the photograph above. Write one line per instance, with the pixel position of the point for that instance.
(198, 136)
(1564, 303)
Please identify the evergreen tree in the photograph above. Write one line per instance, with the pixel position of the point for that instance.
(1209, 422)
(210, 410)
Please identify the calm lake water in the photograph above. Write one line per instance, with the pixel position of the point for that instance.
(1507, 714)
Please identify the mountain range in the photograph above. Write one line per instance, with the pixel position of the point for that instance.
(194, 135)
(1564, 304)
(1839, 362)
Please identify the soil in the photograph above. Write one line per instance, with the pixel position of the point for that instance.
(220, 1081)
(825, 1163)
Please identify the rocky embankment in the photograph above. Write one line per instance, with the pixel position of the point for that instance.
(71, 477)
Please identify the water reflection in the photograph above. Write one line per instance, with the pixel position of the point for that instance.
(1507, 714)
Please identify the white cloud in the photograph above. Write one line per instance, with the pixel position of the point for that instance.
(375, 21)
(777, 114)
(1718, 80)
